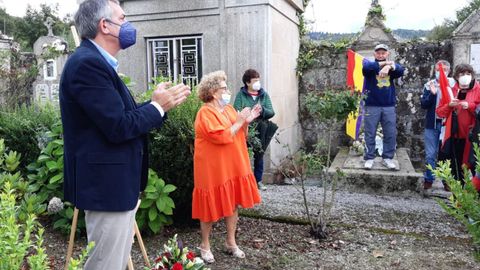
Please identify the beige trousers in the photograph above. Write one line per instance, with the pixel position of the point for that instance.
(112, 233)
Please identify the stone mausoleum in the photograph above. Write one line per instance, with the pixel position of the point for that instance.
(186, 39)
(466, 42)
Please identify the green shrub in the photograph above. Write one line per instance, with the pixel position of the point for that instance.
(46, 173)
(156, 207)
(15, 237)
(171, 148)
(17, 222)
(464, 203)
(76, 264)
(46, 179)
(171, 154)
(23, 127)
(29, 202)
(330, 105)
(16, 243)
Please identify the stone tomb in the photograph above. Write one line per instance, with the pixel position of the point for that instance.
(379, 179)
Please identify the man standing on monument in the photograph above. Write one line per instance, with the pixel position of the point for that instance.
(380, 104)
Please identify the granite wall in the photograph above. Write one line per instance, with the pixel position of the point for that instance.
(328, 71)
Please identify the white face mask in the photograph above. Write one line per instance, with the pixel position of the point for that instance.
(465, 80)
(225, 99)
(256, 86)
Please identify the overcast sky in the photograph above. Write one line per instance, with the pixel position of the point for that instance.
(337, 16)
(18, 7)
(348, 16)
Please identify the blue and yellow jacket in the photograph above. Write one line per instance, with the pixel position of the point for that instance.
(380, 92)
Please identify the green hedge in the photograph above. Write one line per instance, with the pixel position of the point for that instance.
(24, 129)
(171, 154)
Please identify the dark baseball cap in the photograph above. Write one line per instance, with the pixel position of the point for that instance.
(381, 47)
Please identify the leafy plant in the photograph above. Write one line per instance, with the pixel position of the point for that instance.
(311, 51)
(464, 203)
(16, 237)
(77, 263)
(253, 141)
(331, 105)
(46, 179)
(328, 107)
(18, 249)
(29, 203)
(376, 11)
(306, 57)
(156, 207)
(46, 173)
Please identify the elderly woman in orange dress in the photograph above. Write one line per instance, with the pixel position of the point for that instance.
(223, 178)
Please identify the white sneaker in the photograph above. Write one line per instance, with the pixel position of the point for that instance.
(368, 164)
(261, 186)
(389, 164)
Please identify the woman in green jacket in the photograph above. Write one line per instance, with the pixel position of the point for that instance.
(251, 94)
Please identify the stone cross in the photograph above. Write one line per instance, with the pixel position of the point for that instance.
(48, 23)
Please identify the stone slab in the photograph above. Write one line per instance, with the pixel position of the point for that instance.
(378, 179)
(355, 161)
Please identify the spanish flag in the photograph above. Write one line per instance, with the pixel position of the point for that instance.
(355, 84)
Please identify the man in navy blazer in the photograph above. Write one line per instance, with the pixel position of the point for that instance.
(105, 132)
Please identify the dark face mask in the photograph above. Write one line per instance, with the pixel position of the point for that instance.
(127, 35)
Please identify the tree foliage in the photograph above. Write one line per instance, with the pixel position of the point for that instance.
(445, 30)
(27, 29)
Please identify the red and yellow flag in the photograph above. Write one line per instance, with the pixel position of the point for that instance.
(355, 84)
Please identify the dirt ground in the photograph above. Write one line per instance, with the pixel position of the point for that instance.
(367, 232)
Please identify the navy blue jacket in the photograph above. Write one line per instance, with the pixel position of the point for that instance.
(105, 134)
(380, 91)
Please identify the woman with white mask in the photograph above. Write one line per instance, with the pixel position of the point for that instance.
(461, 109)
(223, 179)
(252, 94)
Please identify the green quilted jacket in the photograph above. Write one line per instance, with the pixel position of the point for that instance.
(243, 99)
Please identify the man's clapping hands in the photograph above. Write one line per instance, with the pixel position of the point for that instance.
(169, 97)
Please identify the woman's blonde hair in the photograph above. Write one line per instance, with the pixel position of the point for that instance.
(209, 84)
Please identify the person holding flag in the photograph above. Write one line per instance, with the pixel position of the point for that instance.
(429, 101)
(380, 104)
(458, 109)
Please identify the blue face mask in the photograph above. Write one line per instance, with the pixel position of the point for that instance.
(437, 75)
(127, 35)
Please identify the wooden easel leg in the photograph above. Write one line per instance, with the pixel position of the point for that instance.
(73, 230)
(130, 263)
(142, 246)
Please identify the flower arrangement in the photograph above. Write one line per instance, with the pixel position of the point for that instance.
(177, 257)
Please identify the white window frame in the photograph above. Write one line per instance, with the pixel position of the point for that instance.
(45, 70)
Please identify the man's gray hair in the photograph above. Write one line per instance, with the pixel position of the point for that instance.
(89, 13)
(444, 63)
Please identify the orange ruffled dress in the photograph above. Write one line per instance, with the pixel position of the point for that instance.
(223, 178)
